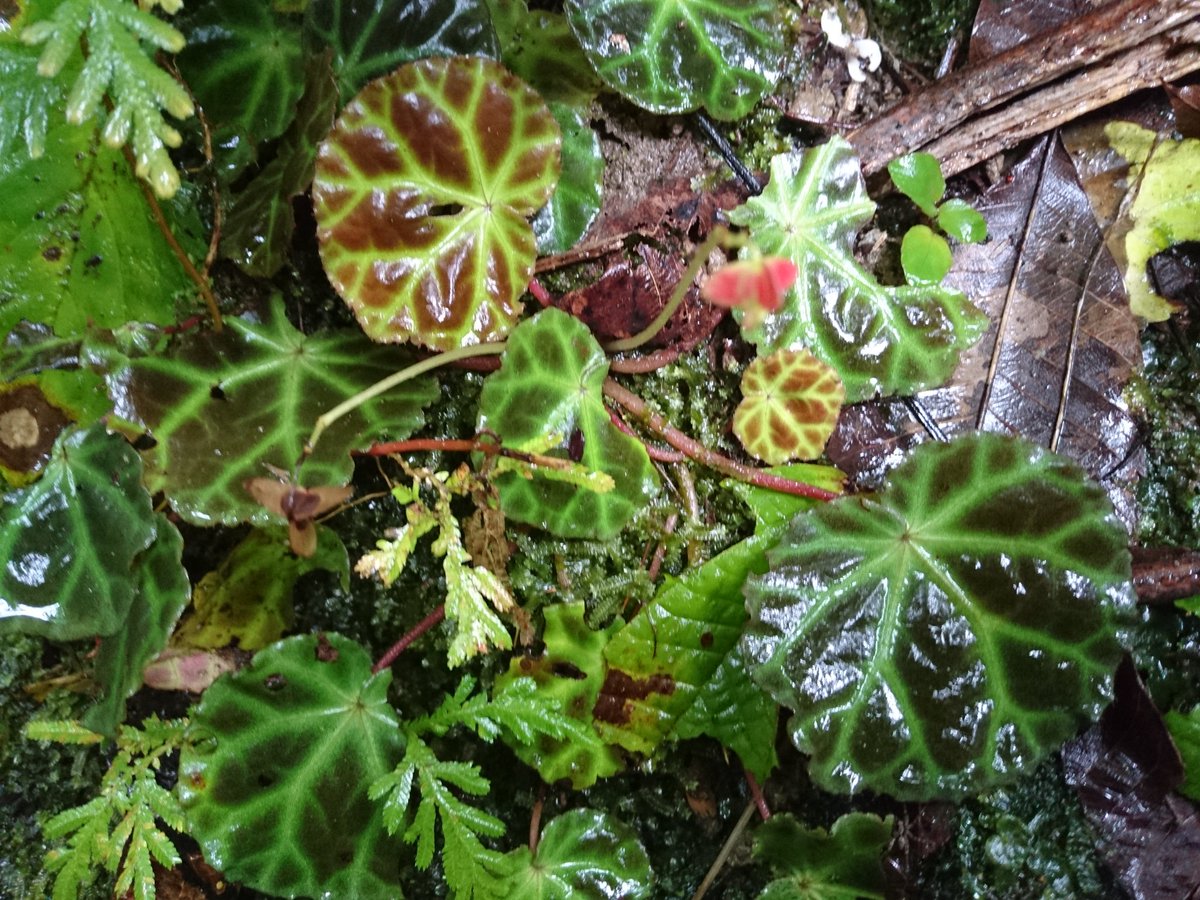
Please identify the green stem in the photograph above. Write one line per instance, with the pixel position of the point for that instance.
(720, 236)
(397, 378)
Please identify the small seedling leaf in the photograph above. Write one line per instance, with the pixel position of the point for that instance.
(790, 405)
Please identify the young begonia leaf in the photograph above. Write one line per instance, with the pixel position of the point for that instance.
(1166, 210)
(790, 404)
(248, 600)
(583, 854)
(258, 228)
(546, 396)
(71, 537)
(950, 631)
(160, 595)
(918, 176)
(570, 671)
(888, 340)
(925, 256)
(223, 407)
(813, 864)
(576, 200)
(244, 64)
(672, 56)
(663, 663)
(78, 243)
(371, 37)
(539, 47)
(962, 221)
(422, 195)
(274, 780)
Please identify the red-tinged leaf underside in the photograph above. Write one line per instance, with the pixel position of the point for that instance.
(422, 193)
(790, 403)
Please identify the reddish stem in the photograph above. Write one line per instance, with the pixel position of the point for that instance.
(639, 409)
(423, 445)
(540, 294)
(656, 453)
(403, 644)
(535, 820)
(650, 362)
(756, 792)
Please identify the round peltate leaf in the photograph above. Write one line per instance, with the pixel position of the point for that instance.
(422, 195)
(547, 398)
(69, 539)
(949, 632)
(576, 200)
(673, 56)
(790, 403)
(583, 855)
(274, 781)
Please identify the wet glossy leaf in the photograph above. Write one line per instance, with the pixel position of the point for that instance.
(27, 102)
(1166, 210)
(274, 782)
(667, 659)
(570, 673)
(888, 340)
(814, 864)
(949, 632)
(371, 37)
(585, 854)
(918, 176)
(546, 397)
(223, 407)
(576, 200)
(673, 56)
(258, 227)
(962, 222)
(78, 243)
(160, 595)
(1185, 732)
(70, 539)
(247, 602)
(539, 47)
(790, 403)
(244, 64)
(1125, 771)
(421, 196)
(30, 423)
(924, 255)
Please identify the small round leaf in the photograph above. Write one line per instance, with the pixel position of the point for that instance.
(949, 632)
(422, 194)
(924, 255)
(962, 221)
(790, 404)
(918, 176)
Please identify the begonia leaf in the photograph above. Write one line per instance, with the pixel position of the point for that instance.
(1166, 210)
(422, 194)
(950, 631)
(258, 228)
(78, 242)
(70, 539)
(222, 407)
(275, 776)
(924, 255)
(813, 864)
(962, 221)
(584, 854)
(539, 47)
(576, 200)
(245, 67)
(371, 37)
(546, 397)
(248, 600)
(570, 671)
(880, 339)
(1185, 732)
(918, 176)
(30, 423)
(790, 404)
(673, 56)
(160, 595)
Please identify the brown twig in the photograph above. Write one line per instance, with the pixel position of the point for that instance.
(640, 410)
(535, 819)
(1162, 575)
(405, 642)
(1069, 55)
(651, 362)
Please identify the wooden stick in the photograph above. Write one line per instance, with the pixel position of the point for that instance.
(1124, 25)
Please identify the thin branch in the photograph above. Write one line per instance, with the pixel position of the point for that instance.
(405, 642)
(640, 410)
(658, 454)
(727, 848)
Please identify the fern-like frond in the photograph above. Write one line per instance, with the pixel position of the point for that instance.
(119, 66)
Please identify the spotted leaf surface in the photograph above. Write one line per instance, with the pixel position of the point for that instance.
(790, 403)
(69, 540)
(880, 339)
(547, 398)
(672, 56)
(274, 782)
(950, 631)
(223, 407)
(422, 195)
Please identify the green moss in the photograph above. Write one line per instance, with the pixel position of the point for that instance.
(920, 29)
